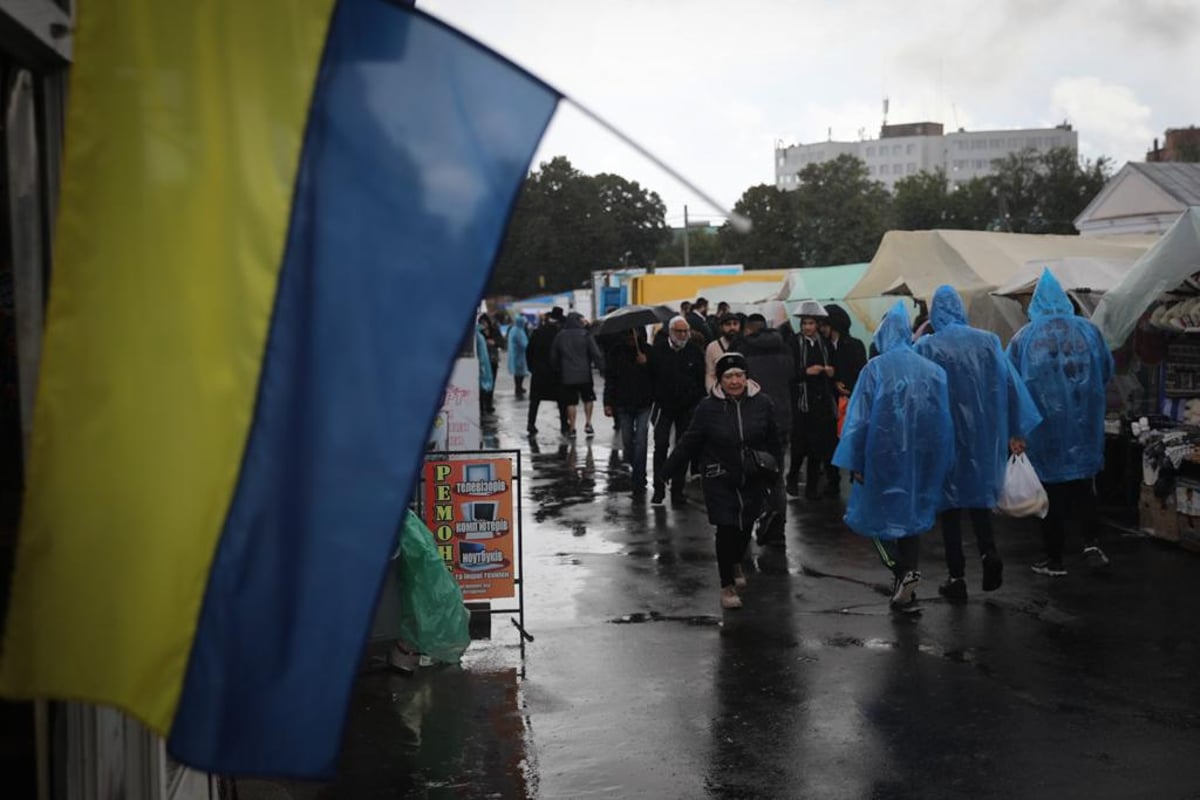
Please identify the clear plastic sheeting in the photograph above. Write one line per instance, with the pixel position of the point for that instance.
(1065, 364)
(1166, 265)
(898, 436)
(988, 402)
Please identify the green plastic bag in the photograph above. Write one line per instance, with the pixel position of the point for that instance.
(433, 619)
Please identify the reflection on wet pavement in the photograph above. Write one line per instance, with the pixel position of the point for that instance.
(638, 685)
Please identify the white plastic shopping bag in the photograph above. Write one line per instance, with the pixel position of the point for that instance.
(1023, 494)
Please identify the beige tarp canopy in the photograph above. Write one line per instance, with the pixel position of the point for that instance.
(974, 262)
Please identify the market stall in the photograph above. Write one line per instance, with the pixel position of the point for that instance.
(1152, 317)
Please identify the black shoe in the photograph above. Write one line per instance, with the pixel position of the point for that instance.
(954, 590)
(589, 430)
(993, 572)
(678, 499)
(639, 494)
(793, 488)
(660, 494)
(531, 430)
(833, 490)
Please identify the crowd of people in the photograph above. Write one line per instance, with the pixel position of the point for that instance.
(924, 428)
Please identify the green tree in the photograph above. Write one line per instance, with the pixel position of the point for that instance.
(923, 202)
(973, 206)
(632, 226)
(1043, 193)
(567, 224)
(841, 213)
(1064, 186)
(771, 241)
(926, 201)
(1015, 184)
(704, 247)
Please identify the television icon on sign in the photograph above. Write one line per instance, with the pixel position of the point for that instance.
(480, 511)
(478, 472)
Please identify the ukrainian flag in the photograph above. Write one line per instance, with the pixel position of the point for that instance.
(277, 218)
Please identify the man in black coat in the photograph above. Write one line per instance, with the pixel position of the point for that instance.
(814, 427)
(697, 319)
(849, 356)
(544, 384)
(772, 367)
(677, 375)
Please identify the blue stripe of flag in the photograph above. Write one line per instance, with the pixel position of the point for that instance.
(417, 143)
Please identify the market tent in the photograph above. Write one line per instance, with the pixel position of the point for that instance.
(1073, 272)
(999, 314)
(974, 262)
(1171, 261)
(747, 292)
(829, 285)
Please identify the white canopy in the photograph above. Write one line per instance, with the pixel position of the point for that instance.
(1166, 265)
(1073, 272)
(917, 262)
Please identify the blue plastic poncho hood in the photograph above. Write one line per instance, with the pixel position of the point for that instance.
(1065, 364)
(988, 402)
(1049, 299)
(898, 436)
(894, 330)
(946, 309)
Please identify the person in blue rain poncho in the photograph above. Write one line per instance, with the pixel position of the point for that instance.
(518, 343)
(992, 414)
(487, 380)
(898, 444)
(1066, 365)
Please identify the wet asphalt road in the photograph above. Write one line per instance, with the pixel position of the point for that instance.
(638, 685)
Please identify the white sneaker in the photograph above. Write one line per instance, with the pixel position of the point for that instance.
(905, 595)
(729, 598)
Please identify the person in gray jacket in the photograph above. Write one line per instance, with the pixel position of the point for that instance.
(573, 355)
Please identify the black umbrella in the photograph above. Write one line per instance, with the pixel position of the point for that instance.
(629, 317)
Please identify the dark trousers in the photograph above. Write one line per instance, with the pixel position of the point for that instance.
(900, 555)
(666, 422)
(981, 523)
(777, 502)
(1071, 500)
(731, 549)
(812, 434)
(535, 401)
(519, 380)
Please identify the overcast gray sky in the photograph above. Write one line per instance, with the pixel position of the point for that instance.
(710, 87)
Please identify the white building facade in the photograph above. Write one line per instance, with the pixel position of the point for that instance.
(904, 150)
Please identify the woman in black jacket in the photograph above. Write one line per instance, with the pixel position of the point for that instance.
(733, 433)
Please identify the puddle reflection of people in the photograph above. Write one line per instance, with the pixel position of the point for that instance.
(760, 688)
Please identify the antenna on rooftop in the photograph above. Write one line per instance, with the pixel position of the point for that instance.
(885, 110)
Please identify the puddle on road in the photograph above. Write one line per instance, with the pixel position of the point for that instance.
(639, 617)
(958, 656)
